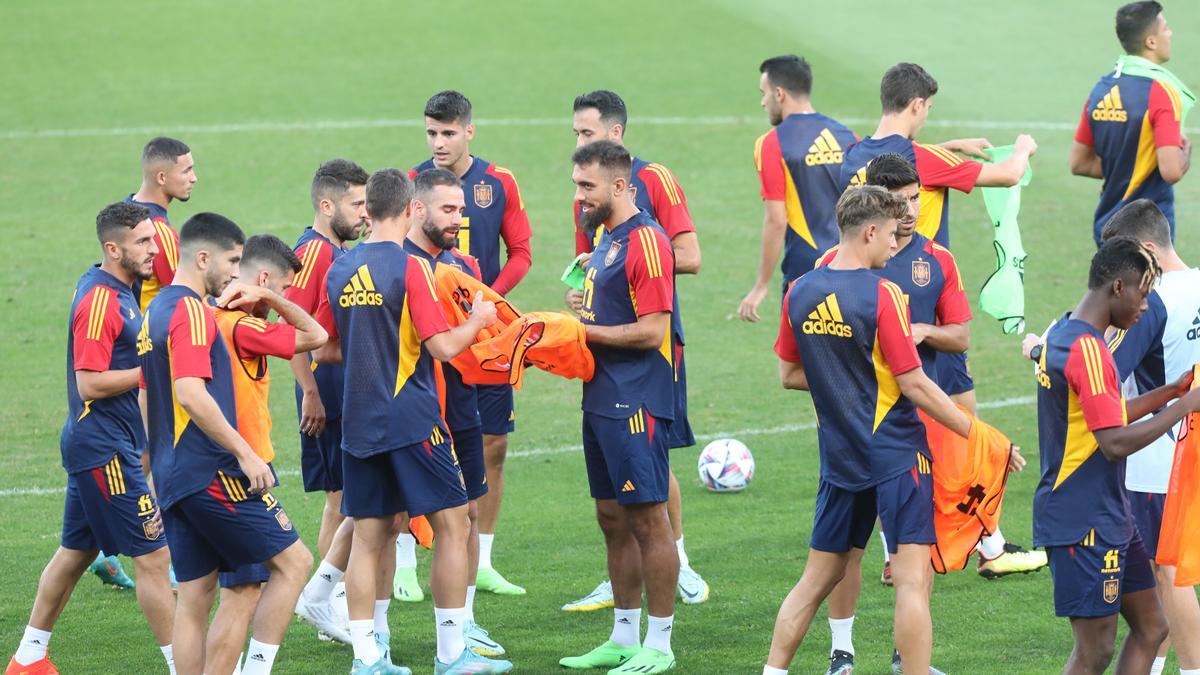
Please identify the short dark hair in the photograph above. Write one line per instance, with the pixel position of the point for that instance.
(388, 193)
(859, 206)
(164, 149)
(271, 250)
(891, 171)
(1118, 257)
(612, 157)
(790, 72)
(428, 179)
(607, 103)
(449, 106)
(119, 216)
(1134, 23)
(213, 229)
(902, 83)
(1142, 220)
(334, 177)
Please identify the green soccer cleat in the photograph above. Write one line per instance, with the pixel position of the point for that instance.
(405, 586)
(607, 655)
(108, 568)
(600, 598)
(488, 579)
(1014, 560)
(479, 641)
(470, 663)
(692, 588)
(646, 661)
(380, 667)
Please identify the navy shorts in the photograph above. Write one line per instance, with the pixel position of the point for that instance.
(224, 527)
(680, 433)
(953, 373)
(244, 575)
(627, 458)
(1147, 510)
(496, 409)
(110, 508)
(468, 445)
(844, 519)
(321, 459)
(420, 479)
(1090, 577)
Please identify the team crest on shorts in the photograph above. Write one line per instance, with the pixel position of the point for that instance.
(483, 195)
(613, 250)
(920, 273)
(283, 520)
(1112, 589)
(152, 528)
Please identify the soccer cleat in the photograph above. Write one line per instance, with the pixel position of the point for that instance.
(488, 579)
(600, 598)
(477, 639)
(405, 586)
(380, 667)
(886, 577)
(40, 667)
(1014, 559)
(383, 642)
(109, 569)
(171, 578)
(322, 616)
(607, 655)
(470, 663)
(840, 663)
(692, 588)
(646, 660)
(897, 669)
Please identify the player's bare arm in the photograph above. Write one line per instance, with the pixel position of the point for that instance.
(194, 398)
(330, 352)
(93, 385)
(792, 376)
(925, 394)
(1174, 162)
(1009, 172)
(309, 334)
(312, 410)
(446, 345)
(1084, 161)
(774, 227)
(971, 147)
(1120, 442)
(648, 332)
(953, 338)
(686, 246)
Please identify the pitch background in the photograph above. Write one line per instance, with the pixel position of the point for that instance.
(263, 92)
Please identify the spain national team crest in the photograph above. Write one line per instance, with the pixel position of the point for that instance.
(613, 250)
(483, 195)
(284, 521)
(1112, 589)
(920, 273)
(152, 528)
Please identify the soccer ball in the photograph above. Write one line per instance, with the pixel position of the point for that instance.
(726, 465)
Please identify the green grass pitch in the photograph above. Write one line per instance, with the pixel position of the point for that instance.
(263, 92)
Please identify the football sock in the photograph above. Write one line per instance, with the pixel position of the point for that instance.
(450, 643)
(259, 658)
(992, 546)
(362, 636)
(887, 557)
(768, 670)
(658, 632)
(469, 610)
(1160, 662)
(627, 624)
(33, 646)
(406, 551)
(485, 549)
(683, 559)
(320, 586)
(1183, 671)
(842, 630)
(381, 610)
(169, 656)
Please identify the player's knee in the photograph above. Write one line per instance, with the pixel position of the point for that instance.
(611, 520)
(294, 562)
(648, 521)
(1151, 629)
(473, 512)
(495, 449)
(153, 564)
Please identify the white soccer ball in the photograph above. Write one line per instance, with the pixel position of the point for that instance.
(726, 465)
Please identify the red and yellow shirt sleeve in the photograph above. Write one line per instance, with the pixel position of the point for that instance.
(1083, 133)
(255, 337)
(516, 233)
(667, 199)
(893, 331)
(315, 258)
(768, 160)
(785, 343)
(191, 333)
(1165, 113)
(1092, 375)
(94, 329)
(167, 259)
(650, 268)
(324, 313)
(939, 167)
(422, 301)
(952, 305)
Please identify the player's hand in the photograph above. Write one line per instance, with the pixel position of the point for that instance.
(748, 308)
(1025, 143)
(574, 300)
(257, 472)
(1031, 340)
(1187, 147)
(1016, 461)
(1183, 385)
(312, 414)
(971, 147)
(483, 310)
(1191, 400)
(241, 294)
(920, 331)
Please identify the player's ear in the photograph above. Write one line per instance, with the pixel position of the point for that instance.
(470, 131)
(160, 178)
(616, 131)
(264, 278)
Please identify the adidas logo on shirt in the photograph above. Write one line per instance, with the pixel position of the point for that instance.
(824, 150)
(1194, 333)
(361, 291)
(1109, 109)
(826, 319)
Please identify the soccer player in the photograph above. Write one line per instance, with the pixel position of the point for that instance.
(1130, 135)
(214, 490)
(1160, 348)
(602, 115)
(168, 173)
(266, 270)
(874, 457)
(628, 300)
(109, 504)
(1080, 510)
(438, 203)
(494, 212)
(798, 162)
(398, 457)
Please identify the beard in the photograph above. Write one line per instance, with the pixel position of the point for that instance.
(343, 227)
(593, 219)
(215, 282)
(438, 237)
(134, 268)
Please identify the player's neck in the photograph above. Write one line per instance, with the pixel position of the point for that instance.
(623, 210)
(416, 236)
(115, 270)
(1152, 58)
(149, 194)
(325, 229)
(893, 125)
(392, 229)
(797, 106)
(192, 279)
(1093, 310)
(1170, 261)
(463, 165)
(849, 258)
(902, 242)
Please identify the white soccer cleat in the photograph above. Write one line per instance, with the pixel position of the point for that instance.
(600, 598)
(322, 616)
(692, 588)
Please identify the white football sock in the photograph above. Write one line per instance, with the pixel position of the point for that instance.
(1160, 662)
(33, 646)
(450, 643)
(169, 656)
(627, 626)
(237, 667)
(381, 610)
(992, 546)
(842, 631)
(406, 551)
(485, 549)
(470, 608)
(320, 586)
(1189, 671)
(887, 557)
(362, 636)
(259, 658)
(658, 632)
(768, 670)
(683, 559)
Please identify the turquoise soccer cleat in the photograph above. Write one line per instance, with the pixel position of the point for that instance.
(109, 569)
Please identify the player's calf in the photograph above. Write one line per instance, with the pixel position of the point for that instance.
(227, 633)
(194, 602)
(154, 592)
(1094, 645)
(911, 577)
